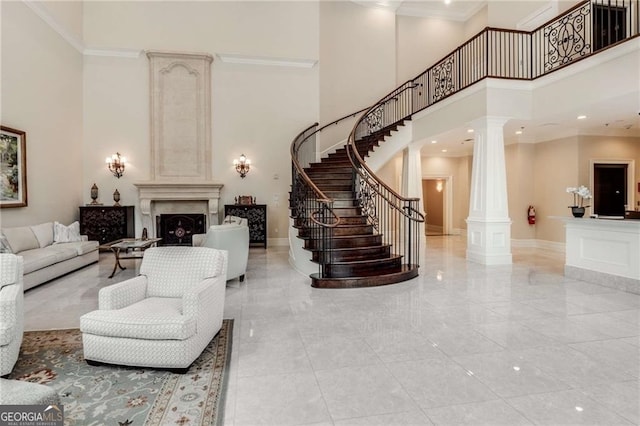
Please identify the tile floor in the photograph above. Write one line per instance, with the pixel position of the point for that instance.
(462, 344)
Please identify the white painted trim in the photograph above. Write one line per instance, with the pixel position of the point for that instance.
(114, 53)
(450, 15)
(524, 243)
(55, 25)
(263, 60)
(278, 242)
(538, 17)
(77, 44)
(458, 231)
(615, 52)
(539, 244)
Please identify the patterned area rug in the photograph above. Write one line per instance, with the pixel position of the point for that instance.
(126, 395)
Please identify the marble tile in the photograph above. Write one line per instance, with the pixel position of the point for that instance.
(489, 413)
(408, 418)
(616, 353)
(460, 341)
(564, 330)
(362, 391)
(574, 367)
(290, 399)
(570, 407)
(512, 335)
(439, 382)
(398, 345)
(272, 357)
(509, 374)
(622, 398)
(427, 331)
(332, 352)
(608, 325)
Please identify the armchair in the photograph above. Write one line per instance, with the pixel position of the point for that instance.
(11, 310)
(232, 237)
(163, 318)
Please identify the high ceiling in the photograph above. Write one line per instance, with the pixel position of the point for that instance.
(610, 117)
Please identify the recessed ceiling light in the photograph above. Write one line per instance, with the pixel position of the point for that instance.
(447, 1)
(434, 141)
(518, 132)
(582, 117)
(444, 150)
(469, 130)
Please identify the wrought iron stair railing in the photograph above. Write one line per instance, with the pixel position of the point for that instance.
(589, 27)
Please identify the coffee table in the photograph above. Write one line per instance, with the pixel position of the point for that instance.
(128, 248)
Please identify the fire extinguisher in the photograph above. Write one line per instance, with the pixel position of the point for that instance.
(531, 215)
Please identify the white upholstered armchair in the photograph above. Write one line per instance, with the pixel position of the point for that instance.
(232, 237)
(163, 318)
(11, 310)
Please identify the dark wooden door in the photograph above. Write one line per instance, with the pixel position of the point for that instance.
(610, 189)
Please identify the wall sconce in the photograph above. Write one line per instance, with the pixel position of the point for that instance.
(439, 186)
(116, 163)
(243, 165)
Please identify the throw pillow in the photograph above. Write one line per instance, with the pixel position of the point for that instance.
(44, 233)
(232, 219)
(4, 245)
(66, 234)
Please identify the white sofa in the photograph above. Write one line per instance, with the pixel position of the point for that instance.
(45, 259)
(232, 236)
(11, 311)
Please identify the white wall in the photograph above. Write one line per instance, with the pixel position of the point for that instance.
(42, 95)
(357, 62)
(421, 42)
(256, 110)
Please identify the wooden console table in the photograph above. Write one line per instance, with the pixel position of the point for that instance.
(256, 215)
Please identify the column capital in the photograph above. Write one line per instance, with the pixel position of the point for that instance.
(489, 120)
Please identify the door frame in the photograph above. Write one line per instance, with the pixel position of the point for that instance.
(631, 179)
(447, 198)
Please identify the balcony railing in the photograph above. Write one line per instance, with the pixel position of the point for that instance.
(588, 28)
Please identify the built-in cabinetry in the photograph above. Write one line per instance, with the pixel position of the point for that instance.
(256, 215)
(107, 223)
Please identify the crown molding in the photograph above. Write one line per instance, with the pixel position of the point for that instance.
(442, 14)
(262, 60)
(70, 38)
(55, 25)
(114, 53)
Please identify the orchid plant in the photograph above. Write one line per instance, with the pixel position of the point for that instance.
(580, 194)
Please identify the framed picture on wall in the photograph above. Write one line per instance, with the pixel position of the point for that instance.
(13, 167)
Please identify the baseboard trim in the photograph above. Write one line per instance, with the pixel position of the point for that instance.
(539, 244)
(277, 242)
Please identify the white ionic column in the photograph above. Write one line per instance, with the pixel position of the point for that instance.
(412, 175)
(488, 224)
(412, 171)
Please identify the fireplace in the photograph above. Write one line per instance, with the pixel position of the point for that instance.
(177, 229)
(158, 198)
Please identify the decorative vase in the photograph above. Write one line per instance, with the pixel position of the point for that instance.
(577, 211)
(94, 195)
(116, 198)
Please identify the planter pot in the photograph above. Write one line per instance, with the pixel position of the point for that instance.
(577, 211)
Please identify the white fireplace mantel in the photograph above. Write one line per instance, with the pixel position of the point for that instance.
(155, 191)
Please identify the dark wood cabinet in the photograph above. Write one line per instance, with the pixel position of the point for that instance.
(107, 223)
(256, 215)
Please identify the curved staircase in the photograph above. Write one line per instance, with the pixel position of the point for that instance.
(356, 254)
